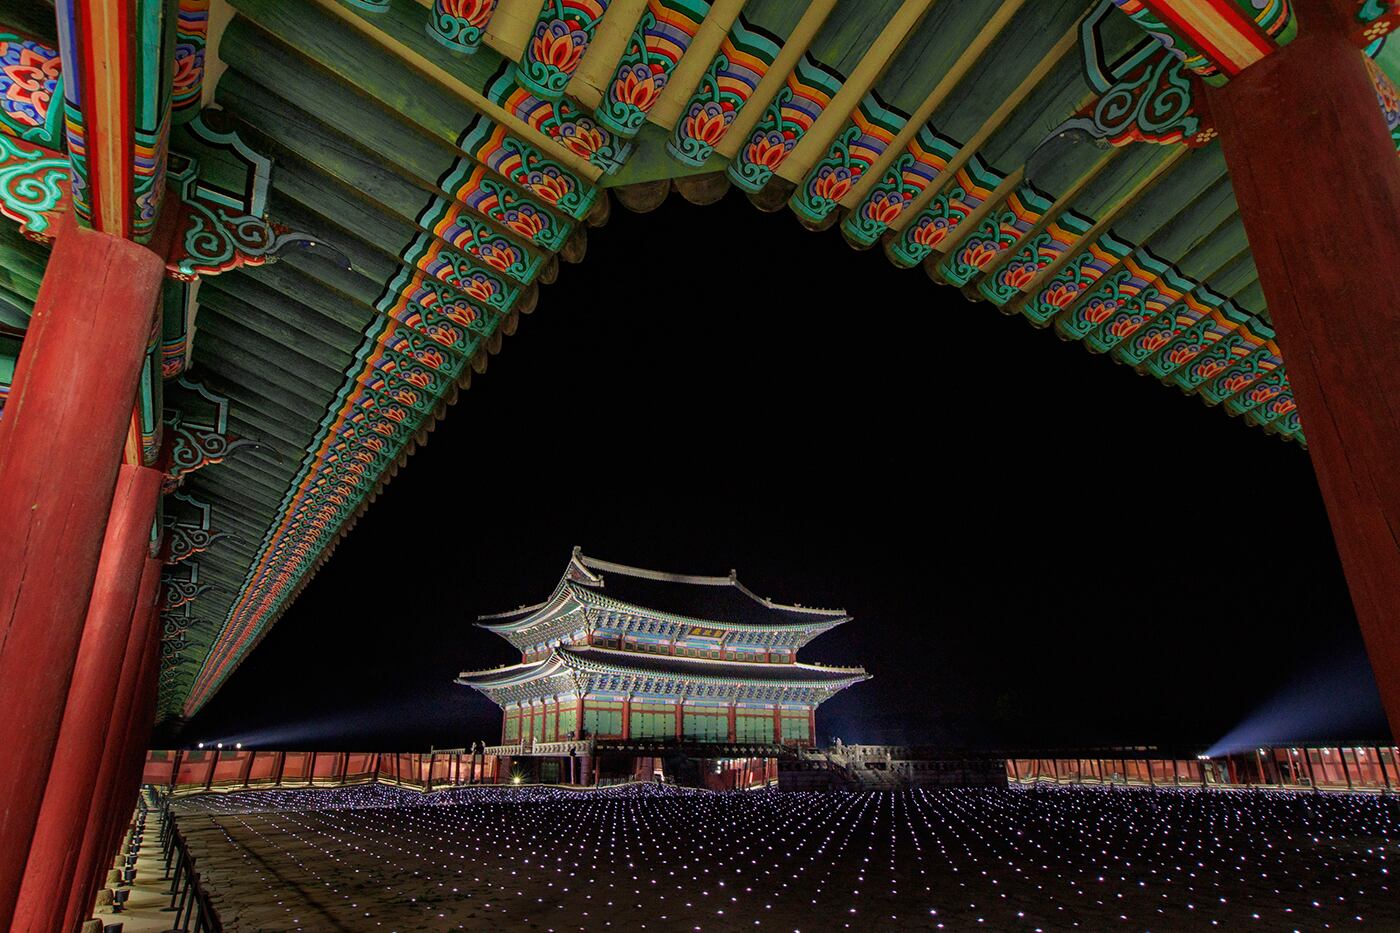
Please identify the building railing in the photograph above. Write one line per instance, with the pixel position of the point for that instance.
(542, 749)
(1335, 768)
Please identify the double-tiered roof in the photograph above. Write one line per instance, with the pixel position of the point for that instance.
(611, 631)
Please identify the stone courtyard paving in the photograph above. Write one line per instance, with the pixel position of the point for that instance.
(656, 858)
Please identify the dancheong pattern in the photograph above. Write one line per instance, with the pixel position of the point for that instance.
(971, 185)
(995, 234)
(523, 165)
(872, 127)
(562, 122)
(472, 185)
(924, 158)
(660, 38)
(794, 109)
(31, 91)
(1034, 256)
(1226, 36)
(460, 24)
(743, 59)
(406, 291)
(562, 33)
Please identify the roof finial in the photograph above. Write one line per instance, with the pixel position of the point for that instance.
(733, 574)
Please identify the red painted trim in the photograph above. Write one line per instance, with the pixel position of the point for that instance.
(1172, 19)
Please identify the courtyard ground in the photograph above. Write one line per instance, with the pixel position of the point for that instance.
(644, 857)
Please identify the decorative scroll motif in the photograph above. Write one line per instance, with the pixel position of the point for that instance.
(1155, 102)
(32, 185)
(1262, 359)
(872, 127)
(997, 233)
(1194, 340)
(182, 589)
(1217, 39)
(562, 122)
(1082, 271)
(1034, 256)
(1137, 271)
(217, 231)
(398, 378)
(486, 287)
(972, 185)
(436, 311)
(187, 528)
(199, 441)
(451, 222)
(474, 186)
(523, 165)
(371, 6)
(924, 158)
(743, 59)
(660, 38)
(786, 120)
(124, 102)
(1145, 341)
(191, 35)
(1264, 390)
(460, 24)
(212, 240)
(562, 33)
(1136, 300)
(31, 91)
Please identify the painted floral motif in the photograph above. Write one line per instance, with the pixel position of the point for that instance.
(660, 38)
(791, 114)
(872, 127)
(460, 24)
(561, 36)
(743, 59)
(559, 44)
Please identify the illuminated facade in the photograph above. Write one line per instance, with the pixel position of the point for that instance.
(626, 655)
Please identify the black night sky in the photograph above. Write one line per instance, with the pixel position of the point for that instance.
(1040, 547)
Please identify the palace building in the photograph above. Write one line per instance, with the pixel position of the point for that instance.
(630, 658)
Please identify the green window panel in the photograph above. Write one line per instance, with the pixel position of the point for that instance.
(796, 728)
(603, 722)
(706, 727)
(649, 725)
(512, 730)
(568, 720)
(754, 728)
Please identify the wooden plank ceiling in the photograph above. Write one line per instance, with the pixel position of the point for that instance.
(1044, 156)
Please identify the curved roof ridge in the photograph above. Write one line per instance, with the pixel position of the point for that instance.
(578, 653)
(628, 570)
(774, 604)
(602, 596)
(513, 612)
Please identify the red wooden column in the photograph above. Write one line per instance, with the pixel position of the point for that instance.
(140, 664)
(1318, 185)
(60, 445)
(123, 592)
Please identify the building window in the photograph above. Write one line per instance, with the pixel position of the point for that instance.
(753, 728)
